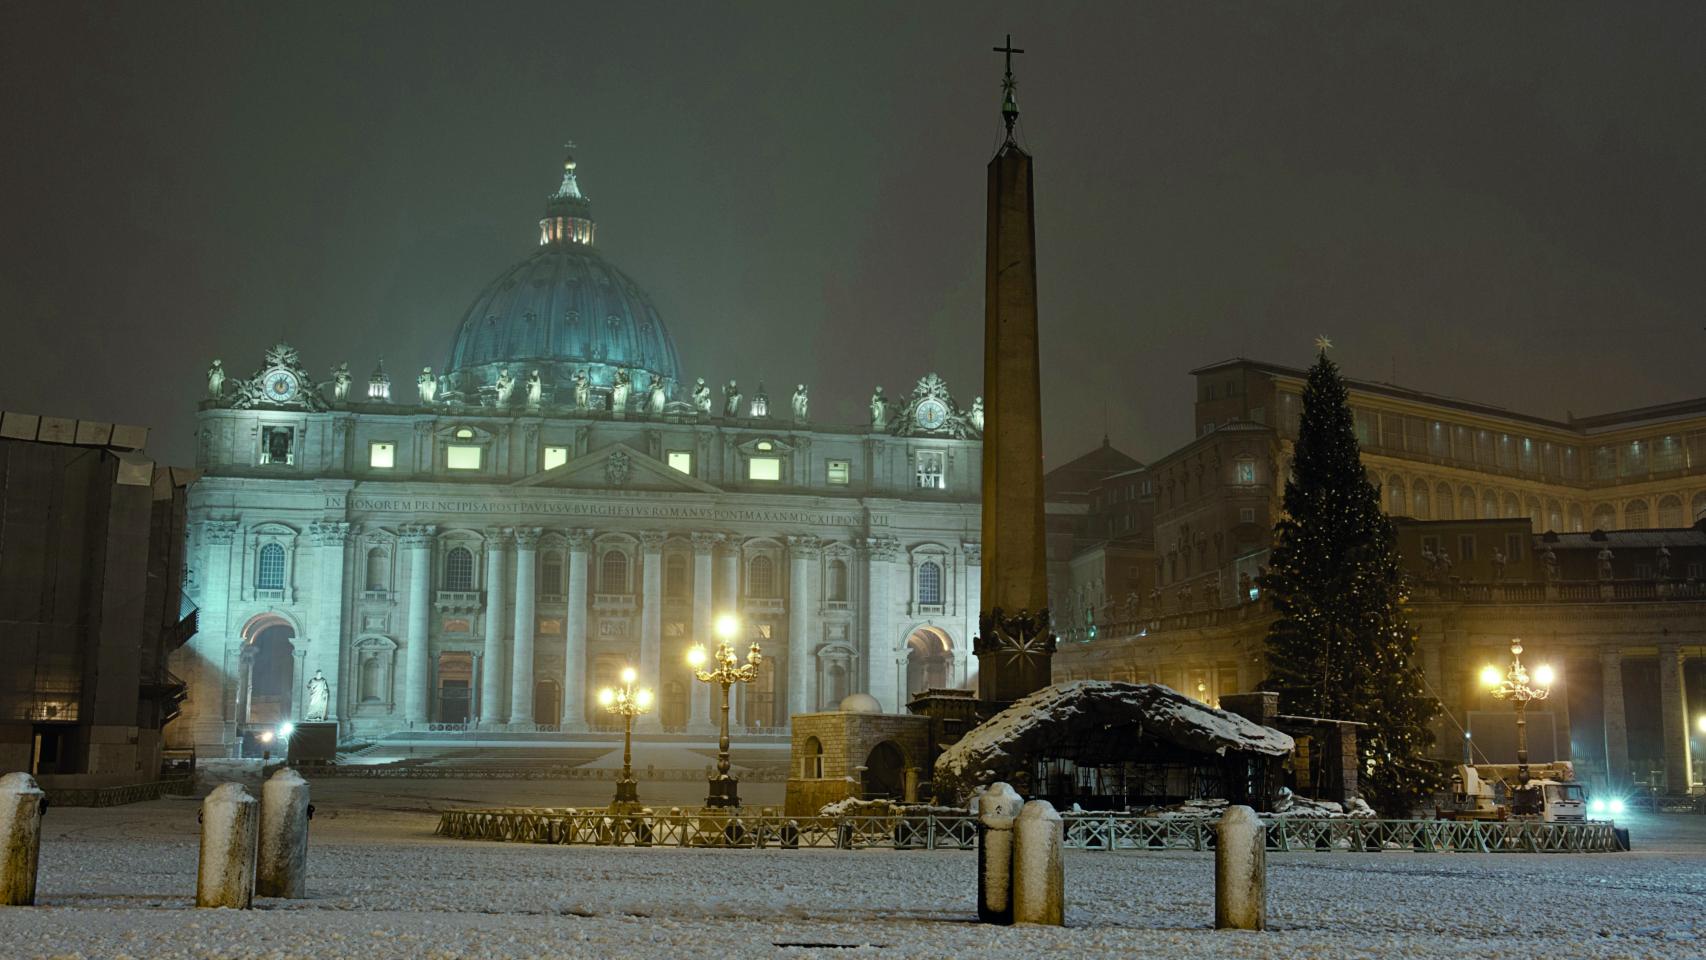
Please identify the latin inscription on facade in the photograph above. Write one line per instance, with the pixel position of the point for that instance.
(656, 510)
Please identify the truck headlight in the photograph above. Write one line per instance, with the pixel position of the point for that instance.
(1615, 806)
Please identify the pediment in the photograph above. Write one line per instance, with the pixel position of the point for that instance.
(617, 467)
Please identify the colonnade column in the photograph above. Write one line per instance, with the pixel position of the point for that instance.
(699, 705)
(1616, 722)
(574, 633)
(974, 603)
(1673, 712)
(651, 621)
(418, 540)
(526, 595)
(492, 677)
(803, 553)
(326, 644)
(882, 681)
(212, 668)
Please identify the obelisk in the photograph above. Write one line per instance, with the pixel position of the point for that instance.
(1015, 644)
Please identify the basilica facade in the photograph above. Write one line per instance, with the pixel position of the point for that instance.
(488, 545)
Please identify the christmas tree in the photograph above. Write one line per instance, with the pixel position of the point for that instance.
(1341, 647)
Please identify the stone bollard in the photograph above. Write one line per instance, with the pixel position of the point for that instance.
(21, 806)
(226, 876)
(282, 868)
(997, 807)
(1240, 871)
(1039, 870)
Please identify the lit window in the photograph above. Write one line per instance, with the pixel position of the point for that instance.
(556, 457)
(381, 456)
(930, 471)
(462, 456)
(930, 584)
(1246, 471)
(840, 471)
(459, 569)
(276, 445)
(764, 468)
(269, 574)
(681, 460)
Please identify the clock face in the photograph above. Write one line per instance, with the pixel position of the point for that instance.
(280, 386)
(932, 414)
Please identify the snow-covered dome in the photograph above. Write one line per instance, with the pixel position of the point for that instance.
(860, 703)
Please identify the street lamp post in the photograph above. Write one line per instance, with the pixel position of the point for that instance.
(627, 703)
(725, 672)
(1516, 686)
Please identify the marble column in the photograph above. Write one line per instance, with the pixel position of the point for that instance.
(1673, 713)
(526, 596)
(211, 666)
(974, 602)
(418, 540)
(1616, 721)
(882, 682)
(651, 624)
(574, 633)
(699, 718)
(803, 553)
(492, 679)
(326, 645)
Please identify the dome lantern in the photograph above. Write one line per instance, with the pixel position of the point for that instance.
(568, 213)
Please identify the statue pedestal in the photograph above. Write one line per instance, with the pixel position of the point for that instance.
(313, 742)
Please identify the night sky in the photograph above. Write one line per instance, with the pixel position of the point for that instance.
(1504, 202)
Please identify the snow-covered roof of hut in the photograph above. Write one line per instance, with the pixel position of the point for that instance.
(1041, 722)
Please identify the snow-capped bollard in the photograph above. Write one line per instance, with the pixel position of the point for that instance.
(282, 868)
(1240, 871)
(226, 875)
(21, 807)
(996, 809)
(1039, 871)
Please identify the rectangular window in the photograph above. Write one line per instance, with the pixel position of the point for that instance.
(1148, 487)
(1513, 546)
(1430, 544)
(1368, 428)
(1507, 451)
(681, 460)
(381, 455)
(1439, 442)
(462, 456)
(931, 475)
(1466, 548)
(764, 468)
(1571, 464)
(555, 457)
(277, 446)
(839, 472)
(1258, 414)
(1527, 457)
(1667, 454)
(1635, 459)
(1605, 463)
(1246, 514)
(1246, 471)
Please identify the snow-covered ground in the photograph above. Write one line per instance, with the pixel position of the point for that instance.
(120, 882)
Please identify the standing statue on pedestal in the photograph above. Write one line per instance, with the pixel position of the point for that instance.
(1664, 562)
(800, 403)
(977, 414)
(701, 396)
(619, 390)
(427, 384)
(1499, 563)
(341, 381)
(1604, 559)
(761, 402)
(659, 397)
(1549, 562)
(535, 389)
(319, 697)
(506, 387)
(583, 391)
(879, 410)
(731, 400)
(216, 379)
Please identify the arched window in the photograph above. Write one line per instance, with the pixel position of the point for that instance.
(1489, 505)
(459, 569)
(1576, 524)
(1421, 505)
(1554, 516)
(372, 677)
(1635, 515)
(761, 578)
(675, 576)
(1395, 497)
(1670, 512)
(378, 570)
(269, 572)
(811, 759)
(837, 581)
(551, 573)
(1604, 517)
(930, 583)
(613, 572)
(1465, 504)
(1698, 507)
(1513, 508)
(1444, 504)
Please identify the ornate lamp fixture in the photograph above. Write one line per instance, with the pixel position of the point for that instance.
(627, 703)
(1516, 685)
(725, 672)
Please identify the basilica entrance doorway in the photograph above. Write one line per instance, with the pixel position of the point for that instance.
(929, 653)
(268, 670)
(547, 702)
(455, 687)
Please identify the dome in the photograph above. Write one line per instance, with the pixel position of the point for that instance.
(860, 703)
(562, 310)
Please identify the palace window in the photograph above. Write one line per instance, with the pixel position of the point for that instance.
(761, 578)
(381, 455)
(681, 460)
(1513, 546)
(675, 576)
(1465, 548)
(1667, 454)
(931, 472)
(930, 584)
(462, 456)
(764, 468)
(555, 457)
(1635, 459)
(551, 574)
(613, 572)
(839, 472)
(269, 571)
(459, 569)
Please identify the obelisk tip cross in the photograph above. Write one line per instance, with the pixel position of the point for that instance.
(1009, 106)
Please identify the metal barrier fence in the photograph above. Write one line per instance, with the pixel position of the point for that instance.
(1082, 832)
